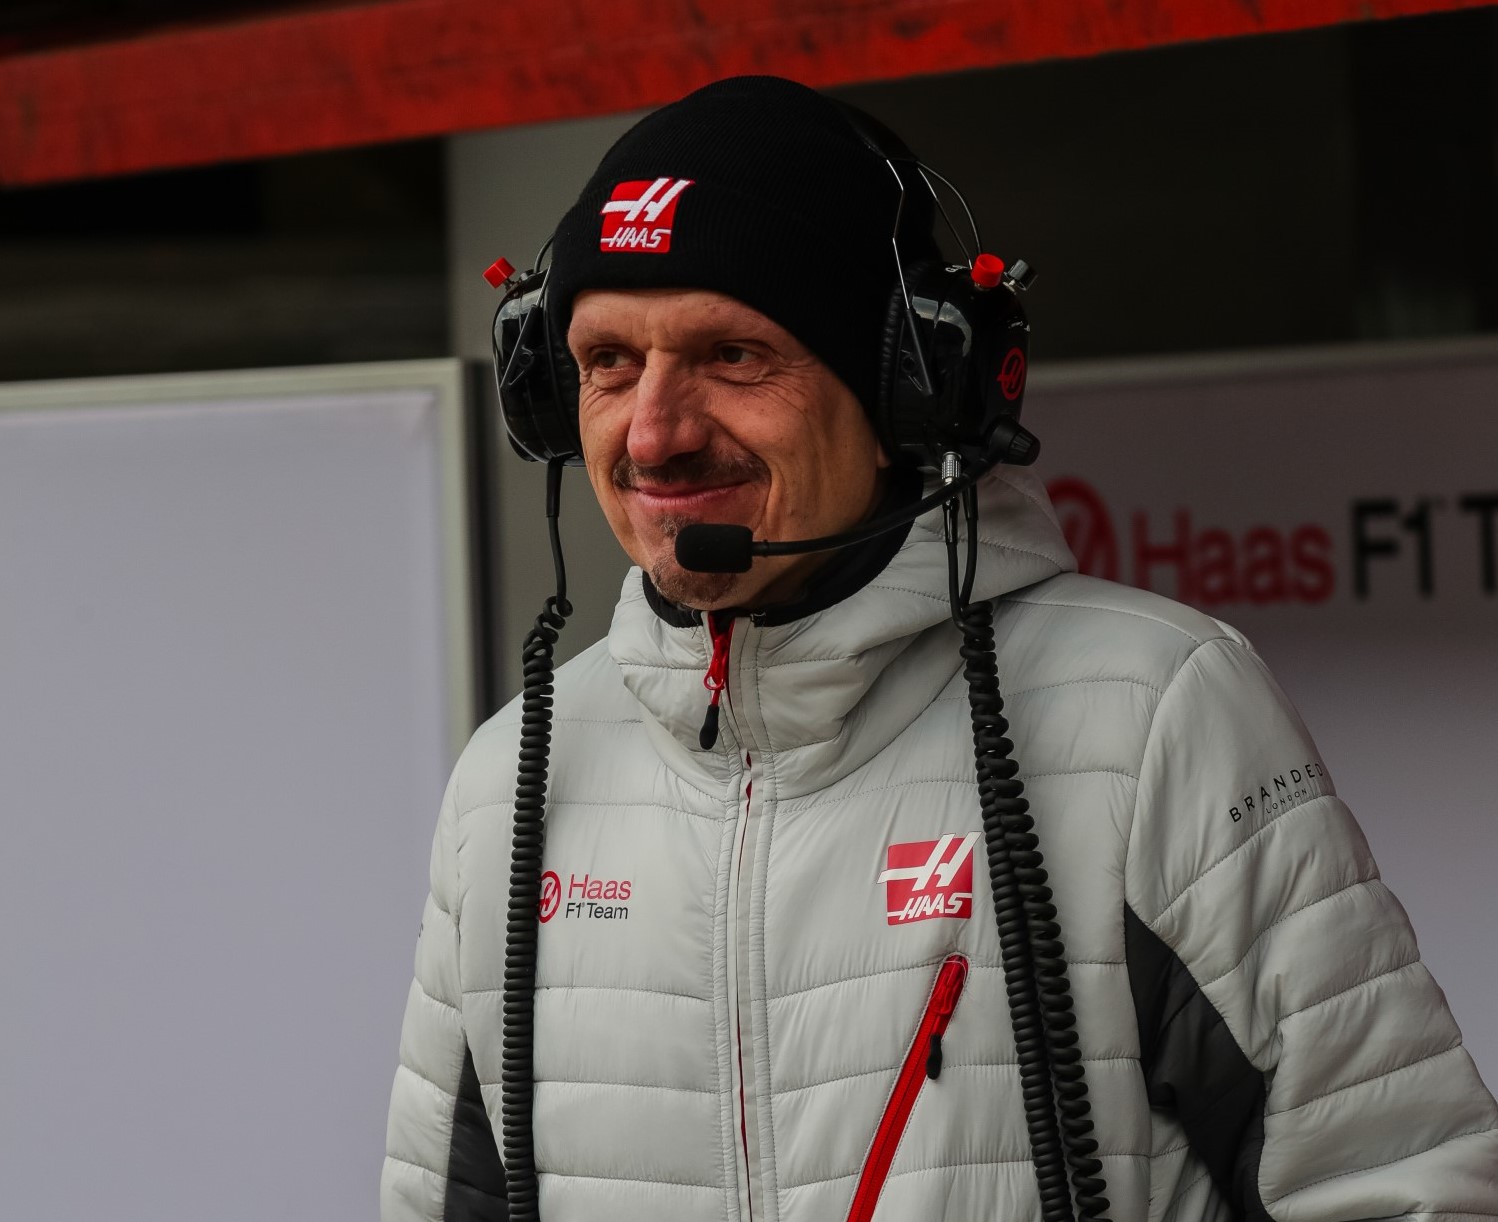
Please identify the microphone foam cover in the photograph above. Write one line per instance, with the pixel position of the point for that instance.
(712, 548)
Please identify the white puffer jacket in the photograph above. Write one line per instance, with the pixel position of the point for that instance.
(751, 947)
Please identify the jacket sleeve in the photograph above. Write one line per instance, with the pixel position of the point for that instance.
(441, 1160)
(1284, 1013)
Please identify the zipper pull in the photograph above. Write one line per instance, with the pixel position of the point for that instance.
(943, 1002)
(707, 737)
(715, 680)
(933, 1057)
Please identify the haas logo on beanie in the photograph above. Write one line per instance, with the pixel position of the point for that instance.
(639, 215)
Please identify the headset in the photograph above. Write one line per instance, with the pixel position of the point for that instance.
(954, 355)
(953, 358)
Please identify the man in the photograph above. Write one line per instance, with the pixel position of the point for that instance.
(769, 981)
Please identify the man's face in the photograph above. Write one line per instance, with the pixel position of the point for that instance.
(693, 407)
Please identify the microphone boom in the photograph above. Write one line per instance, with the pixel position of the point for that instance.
(722, 547)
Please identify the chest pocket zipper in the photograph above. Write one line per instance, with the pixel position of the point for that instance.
(922, 1061)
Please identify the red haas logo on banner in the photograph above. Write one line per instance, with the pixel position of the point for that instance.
(1211, 566)
(1088, 527)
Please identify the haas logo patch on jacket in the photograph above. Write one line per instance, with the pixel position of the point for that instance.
(929, 878)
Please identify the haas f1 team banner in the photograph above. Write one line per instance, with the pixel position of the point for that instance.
(1341, 510)
(1364, 489)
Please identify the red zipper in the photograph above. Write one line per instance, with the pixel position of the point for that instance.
(921, 1062)
(716, 678)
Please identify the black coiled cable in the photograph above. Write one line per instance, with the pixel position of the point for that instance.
(999, 798)
(1052, 1082)
(517, 1086)
(1059, 1022)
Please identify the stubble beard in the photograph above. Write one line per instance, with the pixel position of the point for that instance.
(700, 591)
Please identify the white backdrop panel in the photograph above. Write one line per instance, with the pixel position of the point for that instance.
(233, 668)
(1340, 508)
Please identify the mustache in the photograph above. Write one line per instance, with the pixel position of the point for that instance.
(695, 468)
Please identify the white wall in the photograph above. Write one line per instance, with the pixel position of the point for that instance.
(234, 672)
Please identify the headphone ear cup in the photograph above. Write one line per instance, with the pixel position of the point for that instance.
(904, 409)
(565, 385)
(890, 347)
(972, 342)
(536, 378)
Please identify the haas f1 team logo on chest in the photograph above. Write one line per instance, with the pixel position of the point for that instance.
(929, 878)
(639, 215)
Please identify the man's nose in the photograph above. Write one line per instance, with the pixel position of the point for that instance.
(668, 418)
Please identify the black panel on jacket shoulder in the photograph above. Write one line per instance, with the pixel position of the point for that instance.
(1194, 1068)
(475, 1176)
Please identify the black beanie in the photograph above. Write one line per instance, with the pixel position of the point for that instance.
(761, 189)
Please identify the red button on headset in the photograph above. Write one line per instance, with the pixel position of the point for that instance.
(501, 270)
(987, 271)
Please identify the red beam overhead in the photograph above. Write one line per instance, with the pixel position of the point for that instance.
(322, 77)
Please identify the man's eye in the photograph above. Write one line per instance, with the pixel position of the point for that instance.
(734, 354)
(608, 360)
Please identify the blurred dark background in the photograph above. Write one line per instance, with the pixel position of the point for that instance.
(1330, 185)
